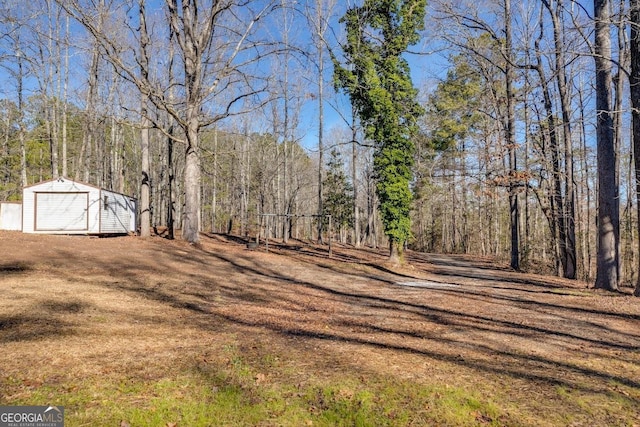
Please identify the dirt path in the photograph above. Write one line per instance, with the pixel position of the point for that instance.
(126, 304)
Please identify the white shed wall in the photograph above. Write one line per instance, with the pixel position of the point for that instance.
(61, 211)
(10, 216)
(61, 206)
(117, 213)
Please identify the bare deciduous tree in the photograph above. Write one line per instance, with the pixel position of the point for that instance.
(608, 204)
(218, 45)
(635, 105)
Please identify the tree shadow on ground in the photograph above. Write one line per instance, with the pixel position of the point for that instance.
(361, 307)
(40, 321)
(14, 268)
(481, 326)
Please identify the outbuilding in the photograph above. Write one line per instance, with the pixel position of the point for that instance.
(11, 216)
(64, 206)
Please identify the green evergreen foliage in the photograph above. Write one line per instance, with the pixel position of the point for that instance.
(377, 79)
(337, 198)
(454, 105)
(9, 152)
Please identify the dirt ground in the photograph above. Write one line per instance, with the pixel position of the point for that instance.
(86, 307)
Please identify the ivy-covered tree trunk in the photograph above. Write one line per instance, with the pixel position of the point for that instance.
(377, 79)
(393, 162)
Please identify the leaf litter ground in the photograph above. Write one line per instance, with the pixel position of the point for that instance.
(76, 311)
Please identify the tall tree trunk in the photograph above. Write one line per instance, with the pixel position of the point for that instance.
(171, 185)
(464, 235)
(192, 46)
(528, 238)
(586, 246)
(635, 105)
(52, 133)
(21, 126)
(121, 169)
(145, 184)
(320, 50)
(110, 176)
(354, 176)
(214, 194)
(83, 168)
(618, 84)
(65, 102)
(514, 213)
(556, 215)
(145, 189)
(286, 208)
(52, 104)
(191, 221)
(568, 205)
(170, 144)
(608, 204)
(245, 162)
(6, 151)
(110, 162)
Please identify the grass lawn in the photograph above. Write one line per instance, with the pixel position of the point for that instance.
(133, 332)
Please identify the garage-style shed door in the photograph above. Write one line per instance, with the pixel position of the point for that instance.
(62, 211)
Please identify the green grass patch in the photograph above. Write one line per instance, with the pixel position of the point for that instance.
(232, 392)
(233, 387)
(583, 405)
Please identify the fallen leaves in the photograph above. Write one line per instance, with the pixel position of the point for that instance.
(260, 378)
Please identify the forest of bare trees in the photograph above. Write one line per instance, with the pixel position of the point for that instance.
(213, 114)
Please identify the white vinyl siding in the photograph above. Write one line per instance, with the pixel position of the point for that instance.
(10, 216)
(62, 211)
(115, 213)
(64, 206)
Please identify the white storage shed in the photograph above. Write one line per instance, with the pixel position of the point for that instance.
(64, 206)
(11, 216)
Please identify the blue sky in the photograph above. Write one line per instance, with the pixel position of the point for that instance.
(427, 69)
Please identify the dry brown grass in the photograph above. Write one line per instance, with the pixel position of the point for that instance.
(87, 322)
